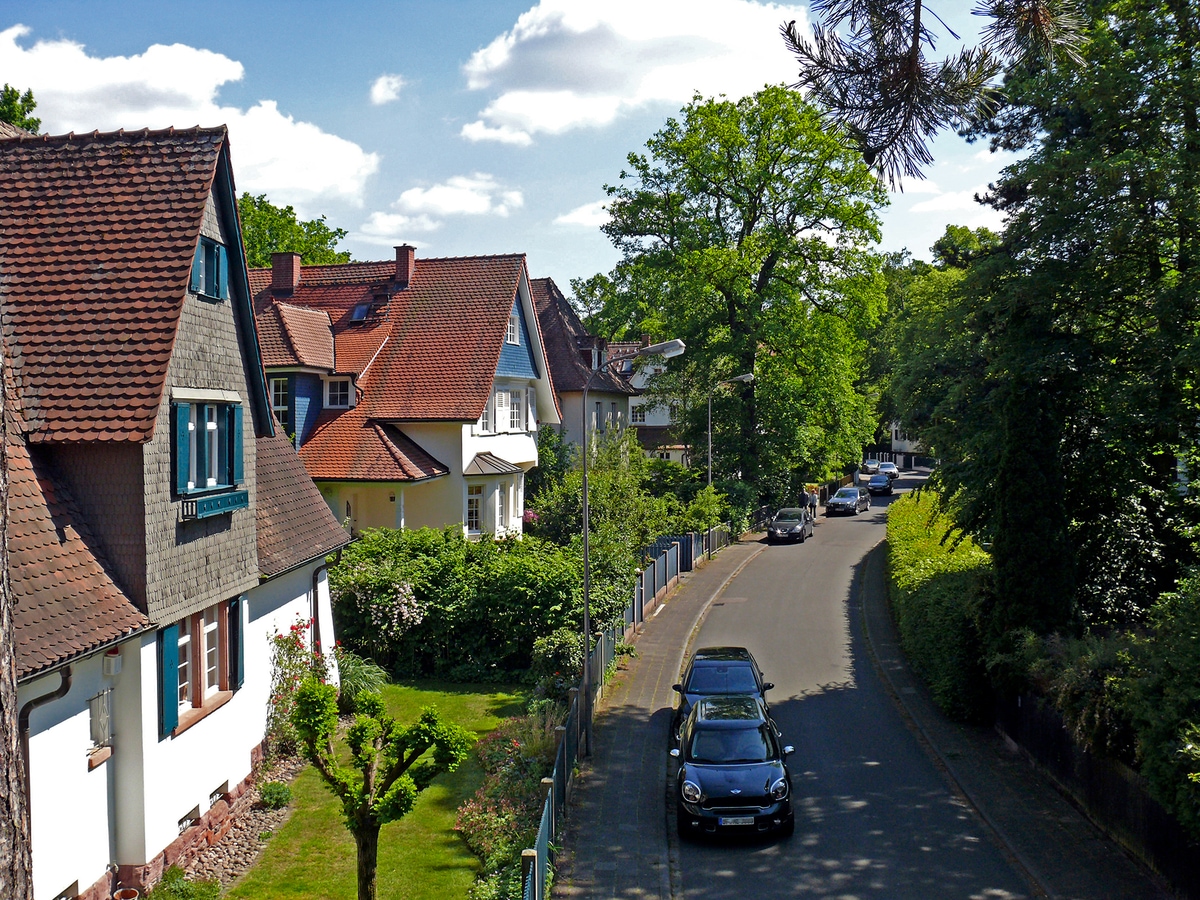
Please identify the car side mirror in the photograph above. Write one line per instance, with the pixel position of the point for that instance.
(787, 751)
(677, 687)
(767, 685)
(675, 752)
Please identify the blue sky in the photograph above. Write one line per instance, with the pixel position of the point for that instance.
(461, 126)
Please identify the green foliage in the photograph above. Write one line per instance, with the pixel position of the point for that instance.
(17, 108)
(176, 886)
(356, 675)
(554, 460)
(389, 764)
(744, 231)
(268, 229)
(938, 581)
(560, 652)
(292, 660)
(275, 795)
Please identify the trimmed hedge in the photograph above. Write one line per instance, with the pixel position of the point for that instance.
(938, 581)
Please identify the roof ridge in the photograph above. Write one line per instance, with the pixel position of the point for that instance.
(139, 134)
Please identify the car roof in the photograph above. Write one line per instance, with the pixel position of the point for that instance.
(890, 465)
(730, 710)
(789, 512)
(722, 654)
(878, 478)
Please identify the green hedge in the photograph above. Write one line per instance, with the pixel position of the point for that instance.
(938, 579)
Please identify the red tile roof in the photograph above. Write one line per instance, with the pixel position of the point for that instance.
(97, 233)
(295, 525)
(295, 336)
(347, 445)
(563, 333)
(427, 351)
(64, 602)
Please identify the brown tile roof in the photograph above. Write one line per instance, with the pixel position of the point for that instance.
(294, 336)
(97, 233)
(295, 525)
(564, 334)
(64, 602)
(427, 351)
(346, 445)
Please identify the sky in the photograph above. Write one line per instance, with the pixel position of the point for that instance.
(463, 127)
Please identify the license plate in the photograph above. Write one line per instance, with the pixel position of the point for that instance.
(736, 820)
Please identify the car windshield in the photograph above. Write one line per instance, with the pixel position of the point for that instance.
(731, 745)
(875, 479)
(784, 515)
(722, 679)
(843, 494)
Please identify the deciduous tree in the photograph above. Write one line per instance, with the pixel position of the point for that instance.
(17, 108)
(268, 229)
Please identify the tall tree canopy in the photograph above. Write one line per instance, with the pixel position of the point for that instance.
(878, 83)
(1067, 390)
(17, 108)
(744, 231)
(268, 229)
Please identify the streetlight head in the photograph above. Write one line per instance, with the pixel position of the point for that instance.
(666, 349)
(747, 378)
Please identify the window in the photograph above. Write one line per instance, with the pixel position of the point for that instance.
(502, 414)
(208, 446)
(637, 415)
(599, 416)
(516, 416)
(513, 335)
(474, 506)
(279, 401)
(485, 418)
(338, 393)
(210, 270)
(613, 420)
(201, 664)
(100, 719)
(502, 507)
(673, 412)
(359, 313)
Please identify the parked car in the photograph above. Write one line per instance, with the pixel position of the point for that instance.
(870, 466)
(889, 469)
(716, 672)
(733, 775)
(879, 484)
(790, 524)
(848, 500)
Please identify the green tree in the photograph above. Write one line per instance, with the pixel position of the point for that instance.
(745, 231)
(17, 108)
(268, 229)
(390, 764)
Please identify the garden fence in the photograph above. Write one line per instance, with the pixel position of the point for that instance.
(668, 558)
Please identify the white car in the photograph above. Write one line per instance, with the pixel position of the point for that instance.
(890, 470)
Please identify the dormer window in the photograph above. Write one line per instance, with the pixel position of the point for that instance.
(210, 270)
(359, 313)
(513, 335)
(337, 393)
(207, 454)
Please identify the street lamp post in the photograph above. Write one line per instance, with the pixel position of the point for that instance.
(745, 379)
(667, 350)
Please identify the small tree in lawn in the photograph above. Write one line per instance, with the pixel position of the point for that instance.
(393, 763)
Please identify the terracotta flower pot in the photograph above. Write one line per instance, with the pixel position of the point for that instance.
(125, 894)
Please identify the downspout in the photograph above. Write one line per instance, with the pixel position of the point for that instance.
(313, 606)
(23, 721)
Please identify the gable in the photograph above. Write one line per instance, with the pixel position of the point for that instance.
(516, 360)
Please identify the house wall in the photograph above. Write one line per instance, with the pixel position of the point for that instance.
(191, 565)
(517, 360)
(307, 401)
(572, 412)
(70, 814)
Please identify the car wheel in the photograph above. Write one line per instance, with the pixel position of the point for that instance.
(801, 541)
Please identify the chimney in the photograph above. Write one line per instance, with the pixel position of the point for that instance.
(285, 272)
(406, 264)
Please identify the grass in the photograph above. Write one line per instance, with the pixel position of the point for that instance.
(420, 857)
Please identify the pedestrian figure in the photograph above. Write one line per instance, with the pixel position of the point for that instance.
(813, 501)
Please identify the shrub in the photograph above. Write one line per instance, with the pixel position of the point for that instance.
(939, 579)
(174, 886)
(356, 675)
(292, 660)
(275, 795)
(558, 653)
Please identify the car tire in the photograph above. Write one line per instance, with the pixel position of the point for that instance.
(801, 541)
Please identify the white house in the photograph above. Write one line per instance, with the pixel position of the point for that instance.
(161, 530)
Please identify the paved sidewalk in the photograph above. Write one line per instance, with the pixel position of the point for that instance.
(615, 841)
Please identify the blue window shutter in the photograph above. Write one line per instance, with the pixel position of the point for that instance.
(168, 680)
(237, 644)
(236, 469)
(182, 449)
(197, 268)
(222, 290)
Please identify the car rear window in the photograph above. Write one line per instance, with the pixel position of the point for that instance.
(746, 745)
(722, 680)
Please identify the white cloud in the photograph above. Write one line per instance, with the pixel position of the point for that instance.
(293, 162)
(950, 201)
(386, 89)
(391, 229)
(590, 215)
(569, 64)
(469, 195)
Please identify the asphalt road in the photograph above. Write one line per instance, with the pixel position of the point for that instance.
(874, 816)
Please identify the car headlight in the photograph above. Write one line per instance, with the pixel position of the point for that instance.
(691, 792)
(779, 789)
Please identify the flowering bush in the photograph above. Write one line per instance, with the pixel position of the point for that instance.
(292, 660)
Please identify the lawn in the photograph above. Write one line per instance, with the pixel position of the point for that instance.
(420, 857)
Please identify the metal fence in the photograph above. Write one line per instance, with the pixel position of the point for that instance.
(669, 557)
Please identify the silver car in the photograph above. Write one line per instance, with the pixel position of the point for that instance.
(848, 500)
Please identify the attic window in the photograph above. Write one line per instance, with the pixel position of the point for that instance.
(360, 312)
(513, 335)
(210, 270)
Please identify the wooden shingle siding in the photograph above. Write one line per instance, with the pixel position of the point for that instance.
(516, 360)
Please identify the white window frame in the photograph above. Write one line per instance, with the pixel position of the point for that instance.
(637, 415)
(210, 642)
(516, 414)
(512, 334)
(474, 509)
(502, 508)
(185, 670)
(340, 383)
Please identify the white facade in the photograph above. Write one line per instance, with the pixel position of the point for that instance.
(127, 809)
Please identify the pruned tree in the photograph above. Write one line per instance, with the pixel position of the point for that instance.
(390, 764)
(879, 83)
